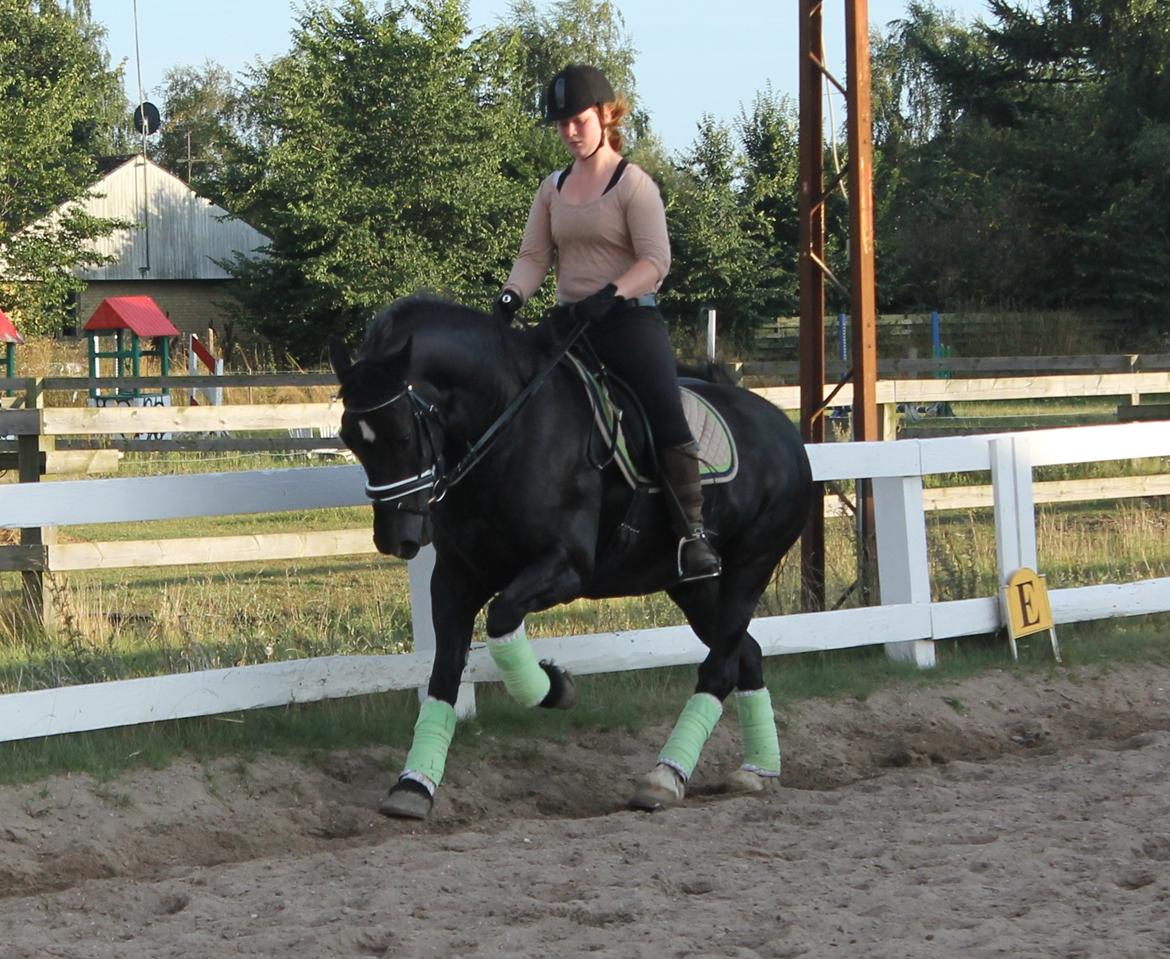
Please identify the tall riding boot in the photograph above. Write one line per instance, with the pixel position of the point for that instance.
(697, 558)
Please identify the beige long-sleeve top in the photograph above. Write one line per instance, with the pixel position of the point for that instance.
(592, 243)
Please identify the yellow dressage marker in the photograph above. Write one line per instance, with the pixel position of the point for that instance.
(1026, 610)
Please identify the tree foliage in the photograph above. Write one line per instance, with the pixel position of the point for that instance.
(200, 133)
(1032, 171)
(374, 168)
(59, 106)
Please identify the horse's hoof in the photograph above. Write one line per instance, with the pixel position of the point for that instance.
(746, 781)
(562, 693)
(407, 800)
(658, 789)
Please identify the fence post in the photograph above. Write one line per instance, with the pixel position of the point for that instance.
(1015, 512)
(31, 449)
(422, 625)
(903, 570)
(708, 315)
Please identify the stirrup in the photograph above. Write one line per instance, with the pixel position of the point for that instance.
(709, 571)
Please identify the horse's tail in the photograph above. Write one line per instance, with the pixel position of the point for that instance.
(711, 371)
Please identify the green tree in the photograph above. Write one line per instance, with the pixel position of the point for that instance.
(770, 134)
(719, 241)
(1045, 163)
(60, 106)
(200, 134)
(373, 162)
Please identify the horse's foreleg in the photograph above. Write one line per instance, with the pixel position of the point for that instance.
(453, 609)
(552, 580)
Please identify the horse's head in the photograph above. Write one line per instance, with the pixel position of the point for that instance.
(390, 431)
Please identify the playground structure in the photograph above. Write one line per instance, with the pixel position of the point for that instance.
(132, 320)
(11, 339)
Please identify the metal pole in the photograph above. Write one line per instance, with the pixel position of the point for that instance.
(861, 267)
(710, 315)
(812, 288)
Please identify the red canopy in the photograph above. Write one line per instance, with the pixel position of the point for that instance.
(139, 314)
(8, 332)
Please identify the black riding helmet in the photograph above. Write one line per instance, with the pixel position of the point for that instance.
(577, 87)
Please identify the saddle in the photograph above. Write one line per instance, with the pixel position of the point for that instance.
(627, 439)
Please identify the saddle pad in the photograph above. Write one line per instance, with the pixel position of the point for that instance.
(718, 457)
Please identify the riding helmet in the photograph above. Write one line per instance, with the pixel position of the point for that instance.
(577, 87)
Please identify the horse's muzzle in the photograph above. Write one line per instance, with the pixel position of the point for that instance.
(398, 533)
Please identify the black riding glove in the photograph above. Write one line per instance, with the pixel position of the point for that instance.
(506, 305)
(597, 305)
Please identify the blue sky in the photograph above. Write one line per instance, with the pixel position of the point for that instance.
(691, 61)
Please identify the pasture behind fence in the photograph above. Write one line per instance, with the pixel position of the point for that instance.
(908, 623)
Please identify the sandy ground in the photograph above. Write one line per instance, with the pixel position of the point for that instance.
(1000, 817)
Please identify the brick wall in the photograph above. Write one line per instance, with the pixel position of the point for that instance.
(192, 305)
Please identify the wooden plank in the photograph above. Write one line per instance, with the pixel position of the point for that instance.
(20, 422)
(211, 549)
(179, 419)
(1052, 491)
(81, 502)
(84, 384)
(128, 702)
(64, 462)
(1097, 444)
(57, 462)
(21, 559)
(210, 444)
(1128, 413)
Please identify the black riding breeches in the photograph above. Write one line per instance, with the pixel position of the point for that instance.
(635, 345)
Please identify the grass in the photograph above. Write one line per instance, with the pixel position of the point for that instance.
(617, 702)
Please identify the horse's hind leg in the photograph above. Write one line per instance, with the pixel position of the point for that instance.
(719, 616)
(757, 723)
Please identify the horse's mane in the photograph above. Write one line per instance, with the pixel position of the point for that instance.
(709, 370)
(409, 313)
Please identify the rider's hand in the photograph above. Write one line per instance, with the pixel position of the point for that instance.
(506, 305)
(594, 307)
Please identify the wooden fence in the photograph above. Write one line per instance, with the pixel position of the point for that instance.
(907, 622)
(41, 431)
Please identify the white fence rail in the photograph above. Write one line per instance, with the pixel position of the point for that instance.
(907, 621)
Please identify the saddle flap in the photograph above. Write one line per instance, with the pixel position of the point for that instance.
(718, 457)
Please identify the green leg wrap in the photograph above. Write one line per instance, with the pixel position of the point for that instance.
(428, 750)
(757, 725)
(525, 681)
(690, 734)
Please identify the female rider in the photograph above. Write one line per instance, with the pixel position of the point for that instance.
(602, 222)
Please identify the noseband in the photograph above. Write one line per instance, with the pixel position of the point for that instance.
(426, 420)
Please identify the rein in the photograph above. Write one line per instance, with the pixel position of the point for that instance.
(426, 415)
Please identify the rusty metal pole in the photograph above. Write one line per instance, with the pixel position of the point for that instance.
(861, 268)
(812, 288)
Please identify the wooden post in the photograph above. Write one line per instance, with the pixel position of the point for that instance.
(31, 450)
(900, 519)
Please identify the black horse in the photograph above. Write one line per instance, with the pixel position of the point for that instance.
(524, 514)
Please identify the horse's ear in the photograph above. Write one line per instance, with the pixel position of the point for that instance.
(339, 357)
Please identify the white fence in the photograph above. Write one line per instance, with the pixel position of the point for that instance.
(907, 621)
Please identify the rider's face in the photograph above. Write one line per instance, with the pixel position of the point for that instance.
(581, 134)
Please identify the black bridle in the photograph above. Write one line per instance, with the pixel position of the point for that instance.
(428, 422)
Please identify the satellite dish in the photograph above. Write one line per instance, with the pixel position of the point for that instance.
(146, 118)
